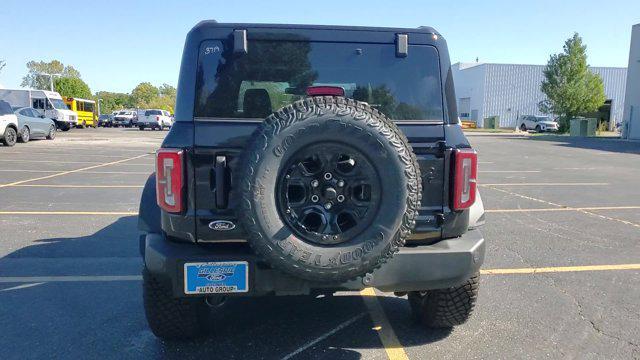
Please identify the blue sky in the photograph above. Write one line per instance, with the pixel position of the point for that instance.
(117, 44)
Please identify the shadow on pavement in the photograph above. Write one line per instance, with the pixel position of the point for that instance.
(88, 319)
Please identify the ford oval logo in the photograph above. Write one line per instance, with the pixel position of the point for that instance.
(222, 225)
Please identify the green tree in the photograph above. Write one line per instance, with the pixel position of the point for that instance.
(571, 88)
(72, 87)
(167, 90)
(34, 78)
(144, 93)
(113, 101)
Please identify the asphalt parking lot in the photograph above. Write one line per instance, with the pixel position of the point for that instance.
(561, 278)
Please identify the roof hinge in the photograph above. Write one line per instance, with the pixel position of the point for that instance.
(402, 45)
(240, 41)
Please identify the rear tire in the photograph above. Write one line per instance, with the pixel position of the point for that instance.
(523, 127)
(25, 135)
(172, 318)
(141, 128)
(445, 308)
(10, 136)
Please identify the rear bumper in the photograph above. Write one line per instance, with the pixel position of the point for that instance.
(444, 264)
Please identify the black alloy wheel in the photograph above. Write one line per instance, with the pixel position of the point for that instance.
(328, 193)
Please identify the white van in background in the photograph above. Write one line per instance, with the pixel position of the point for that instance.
(47, 103)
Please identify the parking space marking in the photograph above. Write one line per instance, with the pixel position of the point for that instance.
(84, 172)
(83, 154)
(508, 171)
(388, 337)
(23, 286)
(81, 278)
(558, 269)
(381, 323)
(121, 213)
(567, 208)
(76, 186)
(68, 162)
(524, 196)
(584, 210)
(73, 171)
(324, 336)
(546, 184)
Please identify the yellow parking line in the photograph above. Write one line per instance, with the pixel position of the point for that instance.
(568, 208)
(72, 171)
(68, 213)
(558, 269)
(76, 186)
(381, 324)
(547, 184)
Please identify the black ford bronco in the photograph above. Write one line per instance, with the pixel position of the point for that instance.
(307, 160)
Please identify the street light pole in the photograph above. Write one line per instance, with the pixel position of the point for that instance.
(99, 100)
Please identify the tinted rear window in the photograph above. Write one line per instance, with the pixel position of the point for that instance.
(276, 73)
(5, 108)
(152, 112)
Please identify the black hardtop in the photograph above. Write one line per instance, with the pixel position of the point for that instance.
(210, 29)
(208, 24)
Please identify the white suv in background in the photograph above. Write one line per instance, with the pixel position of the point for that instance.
(537, 123)
(155, 119)
(8, 125)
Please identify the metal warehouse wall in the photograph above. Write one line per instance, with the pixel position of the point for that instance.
(510, 90)
(632, 98)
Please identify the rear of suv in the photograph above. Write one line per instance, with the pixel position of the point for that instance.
(306, 160)
(8, 124)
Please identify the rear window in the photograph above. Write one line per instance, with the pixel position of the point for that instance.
(276, 73)
(152, 112)
(5, 108)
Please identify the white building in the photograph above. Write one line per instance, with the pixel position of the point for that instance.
(632, 96)
(509, 90)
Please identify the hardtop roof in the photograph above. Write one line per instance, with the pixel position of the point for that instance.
(214, 24)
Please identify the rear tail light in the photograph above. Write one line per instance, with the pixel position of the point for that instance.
(157, 118)
(465, 177)
(170, 179)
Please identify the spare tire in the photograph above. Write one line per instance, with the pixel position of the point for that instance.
(329, 190)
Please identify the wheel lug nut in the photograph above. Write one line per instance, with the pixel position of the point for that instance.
(340, 183)
(315, 198)
(314, 183)
(328, 176)
(327, 206)
(340, 198)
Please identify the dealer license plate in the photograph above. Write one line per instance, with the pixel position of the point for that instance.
(216, 277)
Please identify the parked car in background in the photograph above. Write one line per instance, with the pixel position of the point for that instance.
(8, 124)
(126, 118)
(105, 120)
(32, 124)
(537, 123)
(85, 110)
(155, 119)
(47, 103)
